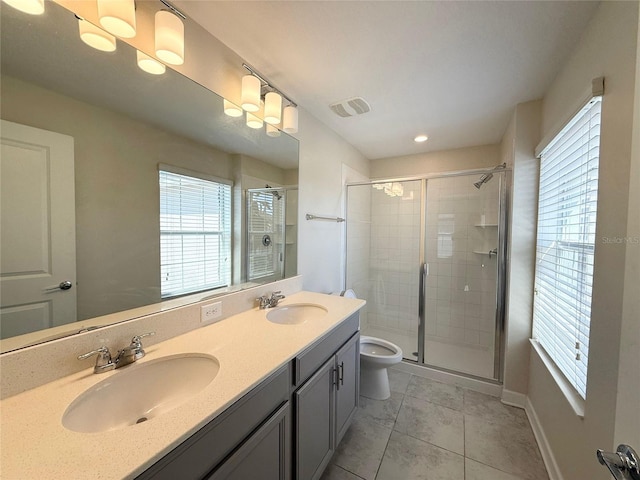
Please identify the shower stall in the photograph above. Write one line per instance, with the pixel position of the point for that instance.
(271, 233)
(428, 255)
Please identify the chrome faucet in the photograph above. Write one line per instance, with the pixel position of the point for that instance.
(127, 355)
(133, 352)
(269, 302)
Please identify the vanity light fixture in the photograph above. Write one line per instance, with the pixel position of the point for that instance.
(32, 7)
(420, 138)
(231, 109)
(253, 121)
(290, 119)
(273, 108)
(256, 87)
(251, 93)
(149, 64)
(169, 36)
(96, 37)
(118, 17)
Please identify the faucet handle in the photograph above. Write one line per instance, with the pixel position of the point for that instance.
(263, 301)
(103, 362)
(136, 344)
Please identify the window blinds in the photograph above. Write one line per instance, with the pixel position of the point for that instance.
(195, 234)
(568, 197)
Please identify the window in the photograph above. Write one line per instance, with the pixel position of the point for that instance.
(568, 198)
(195, 232)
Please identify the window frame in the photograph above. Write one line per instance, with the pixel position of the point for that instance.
(226, 232)
(573, 384)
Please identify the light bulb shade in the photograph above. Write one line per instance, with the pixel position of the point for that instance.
(118, 17)
(231, 109)
(253, 121)
(169, 38)
(32, 7)
(273, 108)
(250, 98)
(272, 131)
(150, 64)
(290, 119)
(96, 37)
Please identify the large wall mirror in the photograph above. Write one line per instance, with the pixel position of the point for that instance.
(134, 188)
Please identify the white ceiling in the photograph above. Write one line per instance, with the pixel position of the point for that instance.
(452, 70)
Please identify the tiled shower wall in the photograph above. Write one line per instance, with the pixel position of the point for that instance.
(393, 262)
(359, 244)
(461, 285)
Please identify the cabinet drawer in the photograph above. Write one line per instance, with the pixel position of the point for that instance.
(198, 455)
(315, 355)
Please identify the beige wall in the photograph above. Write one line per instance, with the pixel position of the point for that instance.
(517, 149)
(608, 48)
(436, 162)
(117, 209)
(628, 402)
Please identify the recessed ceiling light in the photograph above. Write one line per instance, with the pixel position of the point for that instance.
(420, 138)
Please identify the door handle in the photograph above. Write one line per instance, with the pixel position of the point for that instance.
(66, 285)
(341, 374)
(623, 464)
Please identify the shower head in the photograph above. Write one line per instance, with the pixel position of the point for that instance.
(274, 192)
(488, 176)
(483, 179)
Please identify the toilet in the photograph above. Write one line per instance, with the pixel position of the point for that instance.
(376, 355)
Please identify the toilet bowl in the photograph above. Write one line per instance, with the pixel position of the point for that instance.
(376, 355)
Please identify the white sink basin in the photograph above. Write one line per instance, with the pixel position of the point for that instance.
(296, 313)
(140, 392)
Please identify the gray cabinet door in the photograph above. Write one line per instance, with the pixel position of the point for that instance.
(265, 455)
(314, 407)
(347, 384)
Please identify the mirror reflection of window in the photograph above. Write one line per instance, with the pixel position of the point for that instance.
(195, 233)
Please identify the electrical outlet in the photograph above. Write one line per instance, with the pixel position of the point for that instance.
(211, 312)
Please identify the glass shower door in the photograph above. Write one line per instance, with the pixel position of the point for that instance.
(462, 246)
(382, 263)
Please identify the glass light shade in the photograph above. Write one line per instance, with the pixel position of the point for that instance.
(250, 99)
(32, 7)
(231, 109)
(96, 37)
(169, 38)
(290, 119)
(272, 108)
(253, 121)
(150, 64)
(118, 17)
(272, 131)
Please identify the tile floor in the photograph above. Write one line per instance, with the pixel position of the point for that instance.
(433, 431)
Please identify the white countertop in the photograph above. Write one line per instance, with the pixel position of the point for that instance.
(34, 444)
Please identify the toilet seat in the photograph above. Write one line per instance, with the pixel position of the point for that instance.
(376, 355)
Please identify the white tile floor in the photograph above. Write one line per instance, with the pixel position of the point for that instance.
(434, 431)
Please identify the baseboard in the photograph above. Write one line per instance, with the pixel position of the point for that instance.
(514, 399)
(545, 449)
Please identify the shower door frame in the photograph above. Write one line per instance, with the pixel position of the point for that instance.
(501, 287)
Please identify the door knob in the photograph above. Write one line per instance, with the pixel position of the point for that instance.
(66, 285)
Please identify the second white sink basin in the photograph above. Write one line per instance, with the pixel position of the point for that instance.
(296, 313)
(140, 392)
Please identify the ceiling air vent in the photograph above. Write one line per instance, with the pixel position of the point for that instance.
(350, 107)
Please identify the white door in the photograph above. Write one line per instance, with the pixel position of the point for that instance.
(37, 229)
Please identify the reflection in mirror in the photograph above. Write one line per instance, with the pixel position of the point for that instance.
(84, 136)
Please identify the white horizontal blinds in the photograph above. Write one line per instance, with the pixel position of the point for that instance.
(265, 211)
(195, 234)
(568, 199)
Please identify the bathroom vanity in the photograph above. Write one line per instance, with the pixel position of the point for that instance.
(282, 399)
(304, 407)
